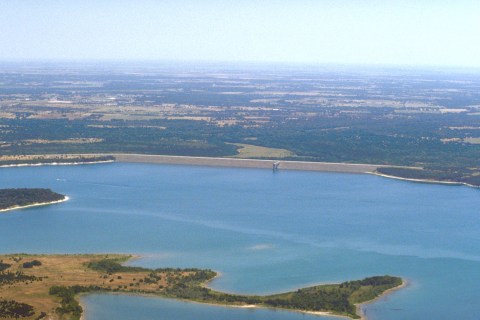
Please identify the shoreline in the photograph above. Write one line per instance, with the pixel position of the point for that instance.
(336, 167)
(83, 306)
(254, 306)
(53, 164)
(72, 266)
(247, 306)
(360, 310)
(35, 205)
(361, 306)
(449, 183)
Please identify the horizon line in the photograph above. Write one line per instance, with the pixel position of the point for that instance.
(232, 63)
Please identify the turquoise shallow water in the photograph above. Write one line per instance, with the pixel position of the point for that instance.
(264, 232)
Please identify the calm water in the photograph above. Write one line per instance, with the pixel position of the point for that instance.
(264, 232)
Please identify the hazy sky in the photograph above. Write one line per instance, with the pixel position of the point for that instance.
(428, 32)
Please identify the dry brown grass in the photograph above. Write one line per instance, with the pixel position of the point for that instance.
(249, 151)
(69, 270)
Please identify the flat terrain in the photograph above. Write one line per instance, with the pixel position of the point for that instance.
(248, 151)
(381, 116)
(73, 270)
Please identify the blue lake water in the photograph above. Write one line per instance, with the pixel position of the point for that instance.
(265, 232)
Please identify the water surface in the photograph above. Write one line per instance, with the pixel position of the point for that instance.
(264, 232)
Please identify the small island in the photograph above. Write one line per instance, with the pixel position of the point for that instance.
(35, 287)
(26, 197)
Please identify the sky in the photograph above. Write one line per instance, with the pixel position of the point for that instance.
(384, 32)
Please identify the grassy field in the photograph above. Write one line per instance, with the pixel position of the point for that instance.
(249, 151)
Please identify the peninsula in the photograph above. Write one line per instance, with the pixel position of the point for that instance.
(38, 287)
(52, 159)
(11, 199)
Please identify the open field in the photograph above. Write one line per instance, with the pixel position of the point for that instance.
(72, 270)
(248, 151)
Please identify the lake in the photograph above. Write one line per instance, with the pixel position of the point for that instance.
(264, 232)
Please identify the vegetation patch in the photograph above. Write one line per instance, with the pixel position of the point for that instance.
(31, 264)
(68, 304)
(4, 266)
(113, 266)
(9, 277)
(12, 198)
(11, 309)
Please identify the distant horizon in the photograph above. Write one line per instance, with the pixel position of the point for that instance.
(232, 64)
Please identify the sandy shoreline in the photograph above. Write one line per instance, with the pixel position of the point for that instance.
(52, 164)
(450, 183)
(360, 310)
(248, 306)
(254, 306)
(360, 307)
(35, 205)
(83, 306)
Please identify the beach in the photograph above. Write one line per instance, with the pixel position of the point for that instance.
(451, 183)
